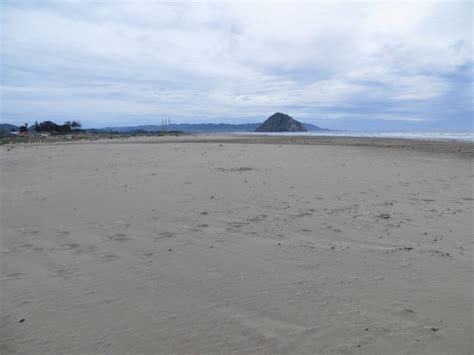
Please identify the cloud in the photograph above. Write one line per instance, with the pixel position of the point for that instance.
(126, 62)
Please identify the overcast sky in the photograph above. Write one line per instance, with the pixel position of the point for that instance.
(378, 65)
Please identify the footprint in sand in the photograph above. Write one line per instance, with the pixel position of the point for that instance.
(14, 276)
(119, 237)
(164, 235)
(233, 226)
(28, 231)
(69, 245)
(258, 218)
(66, 273)
(115, 301)
(23, 247)
(337, 230)
(108, 257)
(301, 214)
(408, 313)
(85, 250)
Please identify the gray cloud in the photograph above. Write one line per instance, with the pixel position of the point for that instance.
(134, 62)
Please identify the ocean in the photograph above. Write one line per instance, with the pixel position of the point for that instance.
(457, 136)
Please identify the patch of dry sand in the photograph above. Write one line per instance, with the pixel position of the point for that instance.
(235, 248)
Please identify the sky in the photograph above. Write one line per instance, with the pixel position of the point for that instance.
(385, 65)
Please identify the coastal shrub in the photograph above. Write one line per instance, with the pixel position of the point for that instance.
(51, 127)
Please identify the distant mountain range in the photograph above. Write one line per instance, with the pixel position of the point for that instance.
(197, 128)
(184, 127)
(8, 127)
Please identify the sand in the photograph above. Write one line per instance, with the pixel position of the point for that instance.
(221, 246)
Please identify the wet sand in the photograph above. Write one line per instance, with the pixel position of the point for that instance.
(292, 246)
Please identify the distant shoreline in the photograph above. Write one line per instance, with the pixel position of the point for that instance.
(457, 148)
(456, 136)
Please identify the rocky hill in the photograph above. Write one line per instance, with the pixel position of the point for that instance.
(280, 122)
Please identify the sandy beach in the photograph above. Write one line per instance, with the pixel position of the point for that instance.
(217, 245)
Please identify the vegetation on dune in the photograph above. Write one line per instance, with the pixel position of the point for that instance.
(51, 127)
(79, 136)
